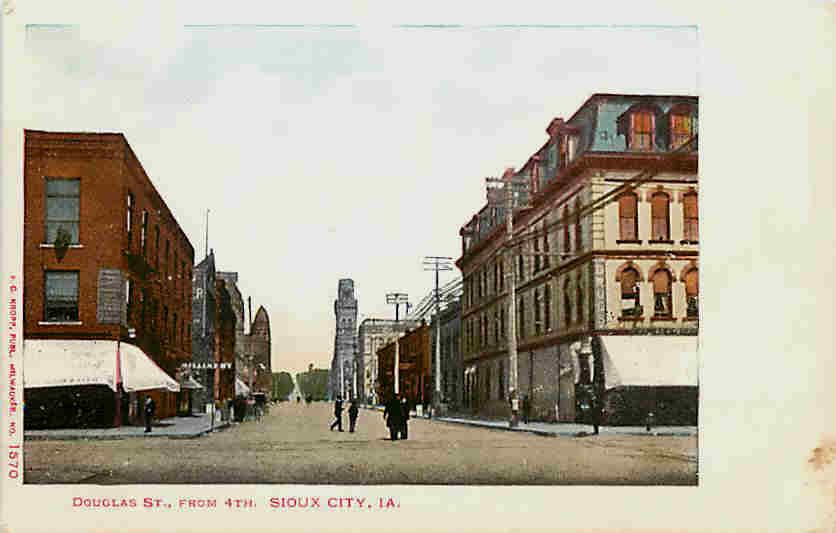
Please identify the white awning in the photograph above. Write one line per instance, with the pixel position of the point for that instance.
(61, 363)
(140, 372)
(241, 388)
(650, 360)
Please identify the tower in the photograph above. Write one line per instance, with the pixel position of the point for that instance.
(345, 340)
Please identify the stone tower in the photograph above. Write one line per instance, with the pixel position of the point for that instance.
(345, 340)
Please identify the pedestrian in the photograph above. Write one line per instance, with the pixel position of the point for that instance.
(392, 414)
(298, 399)
(404, 418)
(526, 408)
(353, 411)
(595, 411)
(149, 410)
(338, 415)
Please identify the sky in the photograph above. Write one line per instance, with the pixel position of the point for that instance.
(329, 152)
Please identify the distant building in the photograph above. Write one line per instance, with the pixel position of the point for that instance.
(257, 371)
(342, 377)
(452, 368)
(411, 350)
(107, 285)
(373, 334)
(236, 300)
(605, 267)
(213, 338)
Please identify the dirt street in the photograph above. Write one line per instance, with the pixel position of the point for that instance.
(293, 445)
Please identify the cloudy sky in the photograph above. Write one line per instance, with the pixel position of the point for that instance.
(329, 152)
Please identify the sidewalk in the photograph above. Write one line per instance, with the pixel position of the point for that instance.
(565, 429)
(181, 427)
(562, 429)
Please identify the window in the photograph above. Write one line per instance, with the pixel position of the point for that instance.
(488, 382)
(641, 130)
(61, 302)
(174, 330)
(502, 323)
(579, 298)
(546, 258)
(662, 294)
(630, 293)
(143, 297)
(129, 223)
(628, 221)
(547, 307)
(578, 229)
(167, 250)
(691, 218)
(692, 290)
(62, 209)
(538, 324)
(520, 267)
(501, 275)
(496, 276)
(143, 235)
(183, 274)
(128, 299)
(521, 317)
(157, 247)
(176, 275)
(567, 304)
(537, 259)
(496, 326)
(564, 151)
(164, 325)
(681, 129)
(567, 242)
(501, 376)
(660, 215)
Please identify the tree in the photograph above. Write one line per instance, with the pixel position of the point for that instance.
(313, 383)
(282, 385)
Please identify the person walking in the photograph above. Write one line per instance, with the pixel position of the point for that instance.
(338, 415)
(149, 410)
(353, 411)
(404, 418)
(595, 411)
(392, 414)
(526, 408)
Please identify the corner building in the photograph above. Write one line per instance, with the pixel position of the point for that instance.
(604, 259)
(107, 284)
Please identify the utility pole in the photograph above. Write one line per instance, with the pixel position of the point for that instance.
(437, 264)
(397, 298)
(508, 182)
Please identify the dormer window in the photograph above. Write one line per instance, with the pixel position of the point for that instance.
(682, 124)
(642, 127)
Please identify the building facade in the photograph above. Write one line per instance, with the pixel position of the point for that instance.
(452, 368)
(213, 338)
(236, 300)
(604, 263)
(345, 340)
(257, 372)
(410, 352)
(105, 261)
(373, 334)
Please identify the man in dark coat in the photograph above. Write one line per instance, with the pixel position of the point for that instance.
(526, 408)
(404, 418)
(338, 415)
(595, 411)
(353, 411)
(393, 414)
(149, 410)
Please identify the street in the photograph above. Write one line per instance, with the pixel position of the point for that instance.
(293, 445)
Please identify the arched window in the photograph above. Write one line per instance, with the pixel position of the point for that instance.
(628, 221)
(692, 290)
(662, 293)
(630, 293)
(567, 304)
(579, 298)
(690, 215)
(578, 231)
(660, 216)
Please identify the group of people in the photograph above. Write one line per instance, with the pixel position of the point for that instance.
(396, 415)
(353, 411)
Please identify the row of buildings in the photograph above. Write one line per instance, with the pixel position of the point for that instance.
(115, 307)
(597, 281)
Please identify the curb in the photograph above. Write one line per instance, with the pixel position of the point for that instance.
(544, 433)
(71, 437)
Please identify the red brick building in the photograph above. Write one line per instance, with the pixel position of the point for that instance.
(414, 368)
(106, 261)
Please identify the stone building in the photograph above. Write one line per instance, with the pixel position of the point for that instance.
(452, 369)
(373, 334)
(107, 284)
(257, 372)
(236, 300)
(341, 380)
(213, 338)
(411, 350)
(604, 260)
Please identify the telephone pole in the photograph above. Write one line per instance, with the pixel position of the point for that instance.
(437, 264)
(397, 298)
